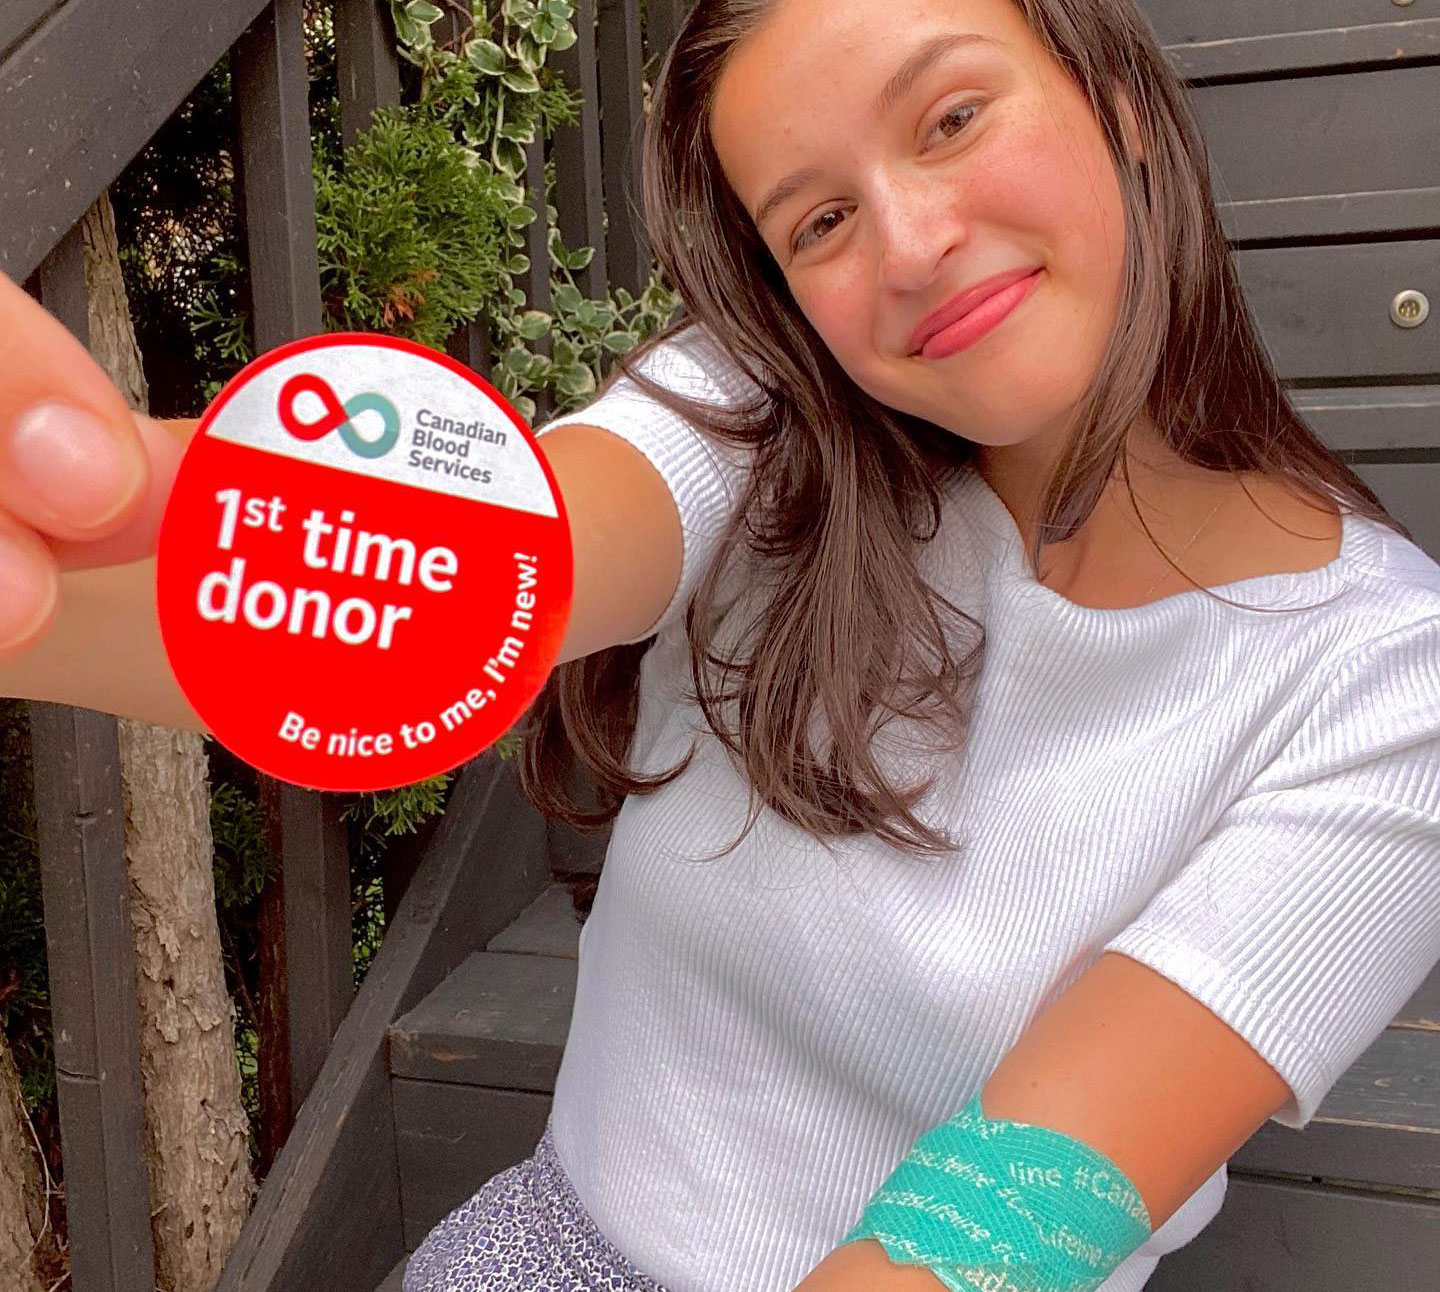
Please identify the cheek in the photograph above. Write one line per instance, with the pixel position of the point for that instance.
(839, 311)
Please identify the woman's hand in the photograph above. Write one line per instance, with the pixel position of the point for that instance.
(83, 480)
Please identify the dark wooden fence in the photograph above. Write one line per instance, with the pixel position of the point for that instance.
(1337, 231)
(84, 84)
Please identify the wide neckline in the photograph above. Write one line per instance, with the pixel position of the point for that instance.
(1357, 543)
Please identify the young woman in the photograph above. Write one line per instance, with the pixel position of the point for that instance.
(995, 687)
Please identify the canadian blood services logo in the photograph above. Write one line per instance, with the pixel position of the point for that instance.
(345, 615)
(338, 416)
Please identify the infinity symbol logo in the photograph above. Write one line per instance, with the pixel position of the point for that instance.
(337, 415)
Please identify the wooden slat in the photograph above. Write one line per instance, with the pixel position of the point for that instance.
(1337, 155)
(1330, 214)
(547, 927)
(1409, 491)
(500, 1020)
(1422, 1010)
(470, 342)
(319, 953)
(662, 24)
(1324, 312)
(278, 202)
(275, 180)
(452, 1139)
(579, 168)
(367, 65)
(395, 1280)
(537, 281)
(18, 18)
(618, 48)
(81, 828)
(1380, 1122)
(1185, 22)
(328, 1215)
(80, 822)
(82, 94)
(1373, 44)
(1372, 418)
(1280, 1237)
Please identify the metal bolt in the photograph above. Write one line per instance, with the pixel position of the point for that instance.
(1409, 308)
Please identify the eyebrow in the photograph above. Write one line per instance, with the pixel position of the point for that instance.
(910, 71)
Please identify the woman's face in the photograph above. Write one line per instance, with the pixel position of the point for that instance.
(895, 154)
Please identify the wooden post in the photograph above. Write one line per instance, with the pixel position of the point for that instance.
(278, 202)
(579, 169)
(621, 115)
(537, 285)
(662, 25)
(367, 65)
(80, 821)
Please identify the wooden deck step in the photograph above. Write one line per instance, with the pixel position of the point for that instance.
(473, 1065)
(473, 1070)
(394, 1280)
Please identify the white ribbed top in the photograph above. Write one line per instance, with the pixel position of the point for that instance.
(1249, 804)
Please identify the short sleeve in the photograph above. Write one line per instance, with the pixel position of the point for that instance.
(706, 478)
(1310, 914)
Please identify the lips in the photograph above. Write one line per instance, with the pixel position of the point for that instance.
(957, 307)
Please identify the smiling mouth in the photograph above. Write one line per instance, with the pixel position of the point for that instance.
(960, 334)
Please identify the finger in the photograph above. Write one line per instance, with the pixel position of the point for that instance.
(71, 462)
(29, 587)
(164, 445)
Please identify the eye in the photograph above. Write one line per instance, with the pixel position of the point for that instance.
(809, 233)
(958, 117)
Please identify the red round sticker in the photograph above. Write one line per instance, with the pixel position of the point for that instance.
(364, 569)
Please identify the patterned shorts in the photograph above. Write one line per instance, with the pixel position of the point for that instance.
(524, 1231)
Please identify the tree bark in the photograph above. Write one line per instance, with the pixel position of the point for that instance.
(196, 1131)
(22, 1195)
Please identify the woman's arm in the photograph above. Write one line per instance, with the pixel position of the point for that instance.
(1127, 1062)
(103, 649)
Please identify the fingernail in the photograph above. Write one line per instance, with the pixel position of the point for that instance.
(73, 463)
(21, 578)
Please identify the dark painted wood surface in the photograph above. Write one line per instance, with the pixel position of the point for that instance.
(1409, 491)
(319, 958)
(576, 153)
(1324, 311)
(81, 95)
(1372, 419)
(80, 823)
(19, 18)
(1322, 156)
(500, 1019)
(1276, 1236)
(329, 1212)
(394, 1281)
(274, 183)
(81, 827)
(366, 63)
(1373, 44)
(620, 52)
(1184, 22)
(451, 1139)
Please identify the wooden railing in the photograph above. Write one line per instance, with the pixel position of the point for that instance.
(84, 84)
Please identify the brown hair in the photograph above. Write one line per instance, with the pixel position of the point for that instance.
(842, 488)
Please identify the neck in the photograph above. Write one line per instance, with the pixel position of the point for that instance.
(1172, 496)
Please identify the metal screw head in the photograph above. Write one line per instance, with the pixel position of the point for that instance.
(1409, 308)
(1402, 3)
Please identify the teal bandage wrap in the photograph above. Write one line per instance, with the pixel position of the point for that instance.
(1004, 1206)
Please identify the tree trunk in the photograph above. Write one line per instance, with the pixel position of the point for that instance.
(22, 1195)
(196, 1130)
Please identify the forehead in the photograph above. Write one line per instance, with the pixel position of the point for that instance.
(814, 65)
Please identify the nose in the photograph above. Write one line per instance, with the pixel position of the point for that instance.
(915, 228)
